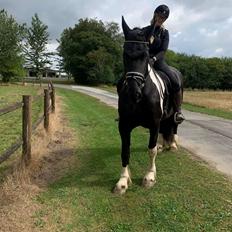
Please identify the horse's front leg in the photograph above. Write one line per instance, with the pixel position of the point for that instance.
(150, 177)
(125, 179)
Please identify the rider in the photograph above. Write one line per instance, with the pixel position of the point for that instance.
(158, 38)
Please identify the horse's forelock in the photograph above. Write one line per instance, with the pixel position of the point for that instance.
(134, 50)
(136, 35)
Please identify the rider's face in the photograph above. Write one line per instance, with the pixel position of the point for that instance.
(159, 19)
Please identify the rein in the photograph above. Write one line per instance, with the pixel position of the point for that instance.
(133, 41)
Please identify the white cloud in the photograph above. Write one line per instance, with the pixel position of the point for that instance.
(197, 27)
(209, 33)
(219, 50)
(177, 34)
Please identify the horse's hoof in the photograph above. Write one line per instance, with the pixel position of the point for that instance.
(122, 186)
(119, 190)
(149, 180)
(160, 148)
(173, 147)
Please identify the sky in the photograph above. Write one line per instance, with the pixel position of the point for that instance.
(196, 27)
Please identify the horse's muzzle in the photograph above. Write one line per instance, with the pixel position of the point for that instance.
(137, 96)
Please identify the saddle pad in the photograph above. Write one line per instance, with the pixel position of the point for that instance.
(156, 79)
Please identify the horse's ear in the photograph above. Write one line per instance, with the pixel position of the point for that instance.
(125, 27)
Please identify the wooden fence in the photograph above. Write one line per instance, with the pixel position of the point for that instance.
(27, 127)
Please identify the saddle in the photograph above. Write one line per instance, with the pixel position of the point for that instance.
(167, 93)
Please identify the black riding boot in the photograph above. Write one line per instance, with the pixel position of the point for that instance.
(177, 99)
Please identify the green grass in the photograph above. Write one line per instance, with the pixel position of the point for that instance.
(204, 110)
(47, 80)
(11, 123)
(188, 196)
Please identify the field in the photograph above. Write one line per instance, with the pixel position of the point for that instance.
(221, 100)
(217, 103)
(188, 196)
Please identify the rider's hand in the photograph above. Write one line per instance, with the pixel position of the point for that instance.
(154, 58)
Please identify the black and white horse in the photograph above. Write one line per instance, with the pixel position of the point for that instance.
(144, 100)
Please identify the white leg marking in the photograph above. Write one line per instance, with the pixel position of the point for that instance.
(160, 142)
(149, 178)
(174, 143)
(124, 181)
(166, 145)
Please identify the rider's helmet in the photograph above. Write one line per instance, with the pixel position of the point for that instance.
(162, 10)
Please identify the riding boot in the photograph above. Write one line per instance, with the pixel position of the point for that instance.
(177, 100)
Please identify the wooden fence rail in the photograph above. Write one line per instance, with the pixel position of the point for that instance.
(27, 127)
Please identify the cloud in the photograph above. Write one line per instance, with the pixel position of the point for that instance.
(208, 33)
(195, 26)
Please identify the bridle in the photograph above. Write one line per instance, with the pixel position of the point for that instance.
(137, 76)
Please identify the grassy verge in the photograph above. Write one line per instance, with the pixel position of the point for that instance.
(201, 109)
(11, 123)
(47, 80)
(187, 197)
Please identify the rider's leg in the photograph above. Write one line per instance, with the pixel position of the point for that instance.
(176, 86)
(177, 100)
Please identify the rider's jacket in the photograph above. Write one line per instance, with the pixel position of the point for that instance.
(158, 39)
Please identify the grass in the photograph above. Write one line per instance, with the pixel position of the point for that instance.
(63, 81)
(188, 196)
(210, 111)
(11, 123)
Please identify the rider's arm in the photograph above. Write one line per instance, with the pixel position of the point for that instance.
(164, 46)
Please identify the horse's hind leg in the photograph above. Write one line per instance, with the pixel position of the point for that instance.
(125, 179)
(175, 140)
(150, 177)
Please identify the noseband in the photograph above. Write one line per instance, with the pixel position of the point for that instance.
(137, 76)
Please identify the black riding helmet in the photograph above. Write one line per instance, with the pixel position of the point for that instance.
(163, 10)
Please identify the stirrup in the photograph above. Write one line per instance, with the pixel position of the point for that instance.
(178, 117)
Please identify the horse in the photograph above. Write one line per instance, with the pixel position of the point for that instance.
(145, 99)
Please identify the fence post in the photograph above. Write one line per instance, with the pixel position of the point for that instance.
(46, 109)
(26, 127)
(53, 98)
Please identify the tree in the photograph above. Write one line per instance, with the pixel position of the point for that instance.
(11, 36)
(203, 73)
(37, 56)
(92, 51)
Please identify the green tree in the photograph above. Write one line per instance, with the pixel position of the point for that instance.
(36, 54)
(11, 36)
(198, 72)
(92, 51)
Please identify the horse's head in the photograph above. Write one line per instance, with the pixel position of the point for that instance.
(135, 59)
